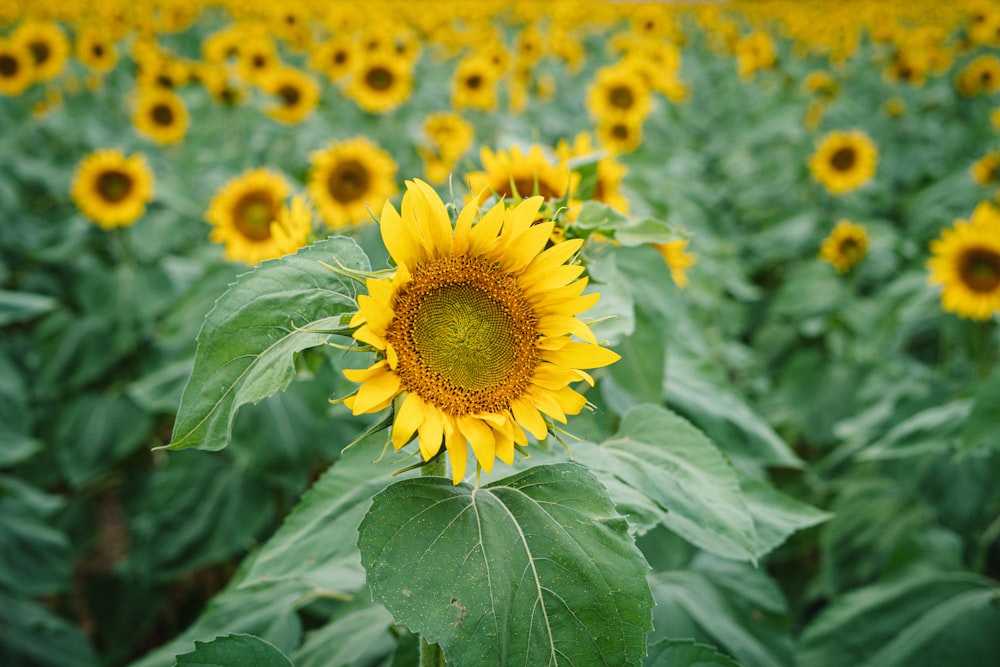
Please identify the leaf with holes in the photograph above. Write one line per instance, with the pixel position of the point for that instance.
(247, 346)
(534, 569)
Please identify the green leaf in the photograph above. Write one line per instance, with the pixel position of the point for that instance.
(685, 653)
(935, 429)
(669, 461)
(232, 650)
(247, 346)
(639, 372)
(534, 569)
(21, 306)
(30, 634)
(925, 619)
(359, 636)
(777, 515)
(982, 429)
(35, 558)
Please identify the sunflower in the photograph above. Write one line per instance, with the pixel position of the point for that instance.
(844, 161)
(348, 177)
(48, 45)
(380, 82)
(243, 213)
(450, 134)
(619, 93)
(609, 171)
(679, 260)
(111, 189)
(95, 49)
(846, 246)
(297, 94)
(619, 136)
(16, 67)
(965, 261)
(514, 173)
(258, 55)
(472, 334)
(334, 58)
(755, 52)
(986, 170)
(980, 77)
(160, 114)
(474, 85)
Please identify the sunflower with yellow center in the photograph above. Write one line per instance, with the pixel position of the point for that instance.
(161, 115)
(474, 85)
(243, 213)
(48, 46)
(619, 136)
(846, 246)
(348, 178)
(334, 58)
(16, 67)
(515, 173)
(844, 161)
(473, 331)
(111, 189)
(965, 261)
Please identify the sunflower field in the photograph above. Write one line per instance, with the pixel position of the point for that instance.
(499, 332)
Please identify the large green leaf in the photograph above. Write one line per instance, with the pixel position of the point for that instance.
(667, 460)
(231, 650)
(982, 428)
(360, 635)
(21, 306)
(30, 634)
(685, 653)
(534, 569)
(247, 346)
(925, 619)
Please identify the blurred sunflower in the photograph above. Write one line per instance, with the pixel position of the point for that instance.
(95, 49)
(514, 173)
(474, 85)
(755, 52)
(222, 45)
(472, 334)
(296, 92)
(380, 82)
(609, 171)
(980, 77)
(844, 161)
(986, 170)
(965, 261)
(111, 189)
(333, 58)
(16, 67)
(258, 55)
(678, 259)
(244, 212)
(348, 177)
(845, 247)
(161, 115)
(619, 136)
(450, 134)
(619, 93)
(48, 46)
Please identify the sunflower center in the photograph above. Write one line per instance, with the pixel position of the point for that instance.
(525, 186)
(290, 95)
(163, 115)
(464, 335)
(97, 50)
(114, 186)
(980, 270)
(340, 57)
(8, 65)
(253, 215)
(843, 158)
(621, 97)
(620, 131)
(379, 78)
(474, 82)
(40, 51)
(851, 250)
(348, 181)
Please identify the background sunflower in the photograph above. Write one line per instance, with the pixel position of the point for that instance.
(112, 189)
(347, 178)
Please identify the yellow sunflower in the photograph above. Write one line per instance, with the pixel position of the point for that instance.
(980, 77)
(111, 189)
(755, 52)
(619, 94)
(965, 261)
(474, 85)
(258, 55)
(380, 82)
(609, 171)
(472, 334)
(450, 134)
(347, 178)
(161, 115)
(334, 58)
(48, 45)
(95, 49)
(16, 67)
(986, 170)
(296, 92)
(243, 214)
(679, 260)
(846, 246)
(844, 161)
(515, 173)
(619, 136)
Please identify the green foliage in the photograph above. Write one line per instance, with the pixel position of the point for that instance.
(234, 650)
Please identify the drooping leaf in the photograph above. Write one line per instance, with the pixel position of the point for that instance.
(236, 649)
(358, 636)
(247, 346)
(535, 569)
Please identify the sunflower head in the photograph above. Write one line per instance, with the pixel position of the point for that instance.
(473, 333)
(47, 44)
(844, 161)
(112, 189)
(381, 81)
(346, 178)
(678, 259)
(295, 93)
(846, 246)
(965, 262)
(515, 173)
(16, 67)
(161, 115)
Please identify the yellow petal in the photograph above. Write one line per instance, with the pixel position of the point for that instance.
(366, 335)
(431, 431)
(377, 314)
(551, 377)
(431, 216)
(571, 401)
(581, 355)
(408, 420)
(560, 325)
(362, 374)
(545, 402)
(381, 290)
(458, 452)
(402, 245)
(376, 392)
(484, 233)
(522, 248)
(529, 418)
(556, 276)
(553, 257)
(463, 229)
(572, 306)
(480, 437)
(504, 446)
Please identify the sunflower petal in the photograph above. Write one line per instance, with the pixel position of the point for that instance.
(528, 417)
(559, 325)
(408, 419)
(376, 391)
(581, 355)
(431, 216)
(403, 247)
(480, 437)
(431, 431)
(458, 451)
